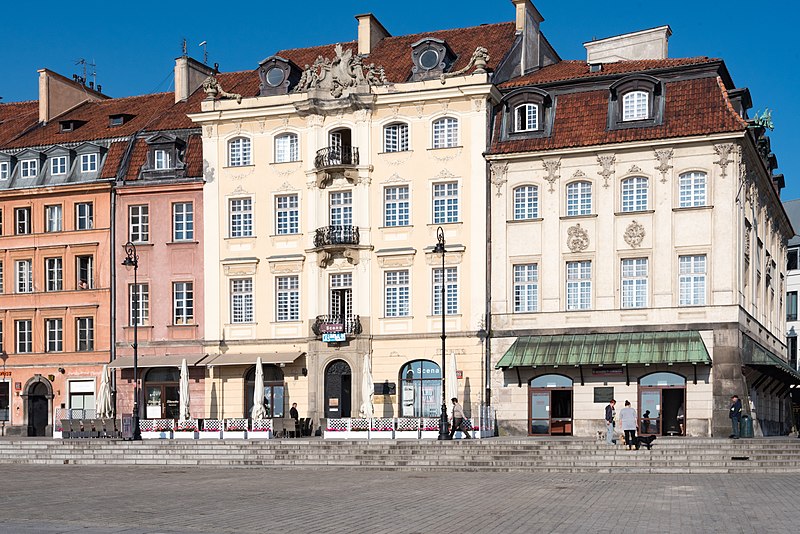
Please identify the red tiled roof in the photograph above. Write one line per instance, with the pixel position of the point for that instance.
(15, 118)
(113, 159)
(194, 157)
(137, 159)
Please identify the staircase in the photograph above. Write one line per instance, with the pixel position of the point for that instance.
(669, 455)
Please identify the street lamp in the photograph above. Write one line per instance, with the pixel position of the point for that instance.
(132, 260)
(439, 249)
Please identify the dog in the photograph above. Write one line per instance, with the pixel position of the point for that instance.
(647, 441)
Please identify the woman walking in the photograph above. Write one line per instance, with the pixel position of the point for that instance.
(630, 423)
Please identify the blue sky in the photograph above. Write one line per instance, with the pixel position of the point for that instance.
(134, 44)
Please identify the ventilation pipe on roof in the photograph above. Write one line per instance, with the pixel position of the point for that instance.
(370, 32)
(645, 44)
(189, 75)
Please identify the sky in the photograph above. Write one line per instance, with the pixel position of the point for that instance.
(134, 44)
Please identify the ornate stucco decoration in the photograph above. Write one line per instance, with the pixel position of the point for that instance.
(326, 258)
(315, 121)
(577, 238)
(287, 169)
(342, 72)
(478, 104)
(606, 163)
(243, 175)
(285, 187)
(214, 90)
(499, 179)
(209, 130)
(239, 191)
(663, 157)
(420, 107)
(747, 232)
(724, 152)
(552, 167)
(208, 172)
(479, 59)
(578, 174)
(635, 170)
(395, 179)
(448, 156)
(634, 234)
(324, 179)
(362, 115)
(395, 159)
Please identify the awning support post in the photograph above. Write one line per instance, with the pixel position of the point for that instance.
(580, 368)
(627, 376)
(695, 374)
(519, 378)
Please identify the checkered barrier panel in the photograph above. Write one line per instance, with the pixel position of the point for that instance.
(212, 425)
(337, 425)
(235, 425)
(359, 425)
(382, 424)
(407, 424)
(189, 425)
(261, 425)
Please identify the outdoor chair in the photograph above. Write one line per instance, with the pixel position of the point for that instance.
(277, 427)
(76, 428)
(66, 428)
(109, 428)
(92, 427)
(289, 427)
(304, 426)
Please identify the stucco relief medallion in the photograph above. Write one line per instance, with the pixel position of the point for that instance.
(634, 234)
(663, 157)
(208, 171)
(448, 156)
(577, 238)
(724, 152)
(552, 166)
(499, 175)
(606, 162)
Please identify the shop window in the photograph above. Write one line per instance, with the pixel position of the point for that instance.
(274, 391)
(421, 389)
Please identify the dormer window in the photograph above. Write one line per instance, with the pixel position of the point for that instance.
(635, 106)
(431, 58)
(4, 170)
(29, 168)
(277, 76)
(70, 125)
(165, 158)
(162, 159)
(119, 119)
(526, 118)
(88, 162)
(527, 113)
(636, 101)
(58, 165)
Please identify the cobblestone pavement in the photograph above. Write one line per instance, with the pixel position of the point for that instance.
(90, 500)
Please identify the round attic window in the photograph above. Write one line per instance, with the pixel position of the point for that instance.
(429, 59)
(275, 76)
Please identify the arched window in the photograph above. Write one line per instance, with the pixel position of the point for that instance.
(579, 198)
(526, 118)
(635, 193)
(395, 137)
(239, 153)
(420, 389)
(635, 106)
(161, 390)
(662, 379)
(526, 202)
(445, 132)
(274, 392)
(692, 189)
(551, 381)
(287, 148)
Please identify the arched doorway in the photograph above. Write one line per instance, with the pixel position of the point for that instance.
(338, 389)
(662, 398)
(38, 409)
(274, 391)
(421, 389)
(162, 393)
(550, 405)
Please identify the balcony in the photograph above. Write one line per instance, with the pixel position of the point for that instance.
(337, 324)
(334, 157)
(336, 236)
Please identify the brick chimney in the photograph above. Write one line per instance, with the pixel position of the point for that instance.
(58, 94)
(189, 75)
(370, 32)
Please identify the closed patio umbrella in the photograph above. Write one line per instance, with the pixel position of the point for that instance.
(259, 410)
(184, 392)
(452, 382)
(103, 402)
(367, 389)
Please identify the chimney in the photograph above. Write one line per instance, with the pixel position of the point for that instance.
(528, 20)
(645, 44)
(58, 94)
(189, 75)
(370, 32)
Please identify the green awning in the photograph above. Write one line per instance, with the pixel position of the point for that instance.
(600, 349)
(755, 355)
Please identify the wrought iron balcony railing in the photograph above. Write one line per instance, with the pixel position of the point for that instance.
(336, 156)
(336, 324)
(336, 235)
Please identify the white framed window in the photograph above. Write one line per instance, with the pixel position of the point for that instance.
(54, 270)
(341, 208)
(288, 298)
(84, 327)
(24, 270)
(182, 303)
(526, 288)
(287, 148)
(395, 137)
(139, 223)
(450, 289)
(635, 192)
(84, 216)
(579, 285)
(29, 168)
(635, 106)
(161, 159)
(692, 187)
(182, 221)
(242, 300)
(89, 162)
(526, 202)
(445, 202)
(692, 280)
(526, 118)
(4, 170)
(54, 218)
(634, 273)
(22, 220)
(579, 198)
(239, 153)
(287, 215)
(139, 299)
(58, 165)
(84, 266)
(396, 206)
(54, 329)
(445, 132)
(24, 331)
(241, 217)
(81, 395)
(397, 299)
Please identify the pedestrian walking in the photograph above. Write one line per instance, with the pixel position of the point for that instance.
(611, 414)
(735, 415)
(630, 423)
(458, 419)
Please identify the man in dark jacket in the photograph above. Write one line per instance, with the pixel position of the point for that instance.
(610, 415)
(735, 415)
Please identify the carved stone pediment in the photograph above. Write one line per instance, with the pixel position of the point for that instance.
(345, 72)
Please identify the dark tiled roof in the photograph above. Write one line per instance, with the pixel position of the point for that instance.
(17, 117)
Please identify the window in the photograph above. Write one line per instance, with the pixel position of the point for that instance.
(85, 334)
(139, 304)
(5, 401)
(445, 133)
(791, 346)
(287, 148)
(88, 162)
(526, 118)
(395, 137)
(242, 300)
(55, 274)
(29, 168)
(241, 217)
(445, 203)
(24, 276)
(182, 221)
(579, 198)
(634, 193)
(791, 306)
(22, 218)
(81, 395)
(84, 216)
(183, 303)
(85, 272)
(139, 224)
(635, 106)
(239, 152)
(396, 206)
(288, 299)
(162, 159)
(24, 335)
(692, 189)
(526, 202)
(55, 335)
(4, 170)
(421, 389)
(2, 289)
(287, 215)
(451, 291)
(398, 294)
(634, 283)
(341, 208)
(579, 285)
(58, 165)
(53, 218)
(692, 280)
(526, 288)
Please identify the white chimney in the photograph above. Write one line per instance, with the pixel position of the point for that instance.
(645, 44)
(189, 75)
(370, 32)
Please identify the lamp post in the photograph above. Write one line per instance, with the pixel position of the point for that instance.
(132, 260)
(439, 249)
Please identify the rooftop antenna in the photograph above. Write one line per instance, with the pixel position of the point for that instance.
(204, 44)
(184, 47)
(83, 63)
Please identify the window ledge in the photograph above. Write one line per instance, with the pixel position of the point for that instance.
(237, 166)
(193, 325)
(143, 244)
(693, 208)
(287, 236)
(127, 327)
(286, 162)
(446, 147)
(569, 217)
(445, 223)
(396, 152)
(187, 242)
(398, 318)
(293, 322)
(241, 324)
(518, 221)
(634, 212)
(251, 237)
(398, 227)
(439, 316)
